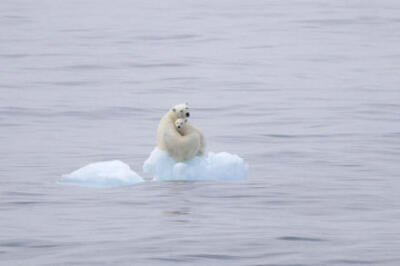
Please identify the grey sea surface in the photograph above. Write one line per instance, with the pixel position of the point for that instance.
(307, 92)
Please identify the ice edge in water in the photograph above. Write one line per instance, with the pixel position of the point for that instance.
(213, 166)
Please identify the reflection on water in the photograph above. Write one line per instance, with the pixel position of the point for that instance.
(306, 92)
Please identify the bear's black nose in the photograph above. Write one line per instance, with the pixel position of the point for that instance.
(187, 114)
(179, 126)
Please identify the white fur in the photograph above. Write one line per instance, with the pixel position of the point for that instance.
(181, 148)
(184, 128)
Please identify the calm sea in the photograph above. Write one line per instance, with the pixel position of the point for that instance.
(307, 92)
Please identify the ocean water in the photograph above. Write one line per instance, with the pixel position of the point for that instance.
(306, 92)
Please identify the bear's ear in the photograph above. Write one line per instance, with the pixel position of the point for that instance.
(173, 110)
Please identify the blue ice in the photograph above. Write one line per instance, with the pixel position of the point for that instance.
(213, 166)
(102, 174)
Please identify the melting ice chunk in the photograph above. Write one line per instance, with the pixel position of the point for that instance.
(213, 166)
(102, 174)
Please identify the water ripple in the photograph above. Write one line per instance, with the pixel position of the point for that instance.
(297, 238)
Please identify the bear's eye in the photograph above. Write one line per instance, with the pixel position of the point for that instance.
(181, 111)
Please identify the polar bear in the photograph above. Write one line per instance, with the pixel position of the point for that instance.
(181, 148)
(184, 128)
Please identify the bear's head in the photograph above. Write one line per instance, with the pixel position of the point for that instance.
(181, 110)
(180, 123)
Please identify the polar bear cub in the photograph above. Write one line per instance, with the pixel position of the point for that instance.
(184, 128)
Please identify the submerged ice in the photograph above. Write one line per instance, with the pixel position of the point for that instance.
(213, 166)
(102, 174)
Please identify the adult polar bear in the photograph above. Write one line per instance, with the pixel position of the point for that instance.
(181, 148)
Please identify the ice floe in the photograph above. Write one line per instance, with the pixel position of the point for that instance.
(102, 174)
(213, 166)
